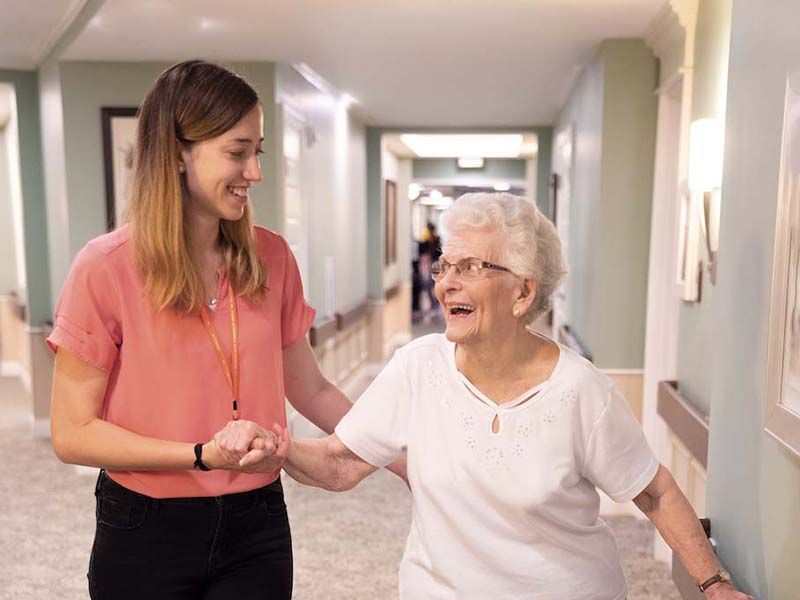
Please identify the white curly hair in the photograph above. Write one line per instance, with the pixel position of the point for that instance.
(532, 246)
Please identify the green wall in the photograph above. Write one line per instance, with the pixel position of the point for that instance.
(753, 481)
(708, 100)
(26, 87)
(613, 112)
(493, 169)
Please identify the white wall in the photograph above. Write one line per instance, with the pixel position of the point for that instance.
(55, 177)
(12, 252)
(334, 187)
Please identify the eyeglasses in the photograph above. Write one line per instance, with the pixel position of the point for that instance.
(466, 268)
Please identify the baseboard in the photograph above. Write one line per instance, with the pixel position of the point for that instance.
(85, 471)
(14, 368)
(41, 429)
(11, 368)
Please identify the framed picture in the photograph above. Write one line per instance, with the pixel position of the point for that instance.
(782, 400)
(390, 234)
(119, 137)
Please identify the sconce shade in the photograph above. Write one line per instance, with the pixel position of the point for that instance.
(706, 149)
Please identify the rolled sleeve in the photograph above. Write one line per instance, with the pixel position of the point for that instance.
(86, 319)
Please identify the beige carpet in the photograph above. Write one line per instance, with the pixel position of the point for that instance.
(347, 546)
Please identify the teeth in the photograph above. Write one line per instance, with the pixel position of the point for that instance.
(241, 192)
(461, 306)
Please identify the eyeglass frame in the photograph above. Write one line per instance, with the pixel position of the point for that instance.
(482, 264)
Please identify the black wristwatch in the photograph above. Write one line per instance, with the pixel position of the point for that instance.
(722, 576)
(198, 453)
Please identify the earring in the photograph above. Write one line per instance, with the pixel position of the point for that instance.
(182, 168)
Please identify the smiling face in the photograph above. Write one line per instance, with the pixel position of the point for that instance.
(481, 309)
(220, 170)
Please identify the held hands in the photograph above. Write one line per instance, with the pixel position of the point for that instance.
(247, 447)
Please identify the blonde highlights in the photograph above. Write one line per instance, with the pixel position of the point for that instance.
(189, 102)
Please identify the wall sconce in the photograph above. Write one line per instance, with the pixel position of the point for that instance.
(706, 150)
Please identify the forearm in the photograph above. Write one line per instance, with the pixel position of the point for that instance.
(99, 443)
(310, 462)
(325, 408)
(680, 527)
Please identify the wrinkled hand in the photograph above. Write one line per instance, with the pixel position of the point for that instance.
(240, 439)
(268, 452)
(725, 591)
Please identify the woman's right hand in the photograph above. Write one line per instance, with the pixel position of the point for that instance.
(267, 453)
(246, 439)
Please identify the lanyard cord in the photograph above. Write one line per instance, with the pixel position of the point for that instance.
(231, 374)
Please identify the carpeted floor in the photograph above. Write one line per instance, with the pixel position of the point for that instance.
(347, 546)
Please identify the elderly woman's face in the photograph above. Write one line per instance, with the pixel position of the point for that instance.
(476, 308)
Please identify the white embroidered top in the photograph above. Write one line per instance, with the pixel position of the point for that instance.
(512, 514)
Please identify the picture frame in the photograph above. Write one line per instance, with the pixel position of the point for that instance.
(782, 397)
(119, 136)
(390, 233)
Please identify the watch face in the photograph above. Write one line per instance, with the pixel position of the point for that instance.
(725, 575)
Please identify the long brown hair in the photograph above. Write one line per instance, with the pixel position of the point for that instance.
(190, 102)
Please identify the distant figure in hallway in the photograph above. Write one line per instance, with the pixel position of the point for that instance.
(509, 435)
(430, 249)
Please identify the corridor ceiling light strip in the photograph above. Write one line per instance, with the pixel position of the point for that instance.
(470, 163)
(455, 145)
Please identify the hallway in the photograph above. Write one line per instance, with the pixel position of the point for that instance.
(659, 138)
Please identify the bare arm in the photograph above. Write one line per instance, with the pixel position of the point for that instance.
(326, 463)
(316, 398)
(80, 436)
(668, 509)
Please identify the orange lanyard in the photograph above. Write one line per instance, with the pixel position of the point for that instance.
(232, 375)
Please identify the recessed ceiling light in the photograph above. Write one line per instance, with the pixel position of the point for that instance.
(502, 187)
(457, 145)
(470, 163)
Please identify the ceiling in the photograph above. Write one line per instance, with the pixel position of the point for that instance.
(438, 63)
(30, 28)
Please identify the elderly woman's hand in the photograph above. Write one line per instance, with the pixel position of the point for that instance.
(725, 591)
(267, 453)
(246, 446)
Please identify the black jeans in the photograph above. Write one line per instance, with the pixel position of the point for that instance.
(234, 546)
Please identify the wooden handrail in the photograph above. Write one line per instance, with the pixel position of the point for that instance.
(349, 318)
(322, 330)
(685, 421)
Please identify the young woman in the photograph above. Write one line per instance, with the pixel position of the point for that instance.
(185, 318)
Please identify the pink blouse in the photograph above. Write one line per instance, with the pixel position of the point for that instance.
(165, 380)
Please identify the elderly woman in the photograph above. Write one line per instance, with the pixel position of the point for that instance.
(508, 434)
